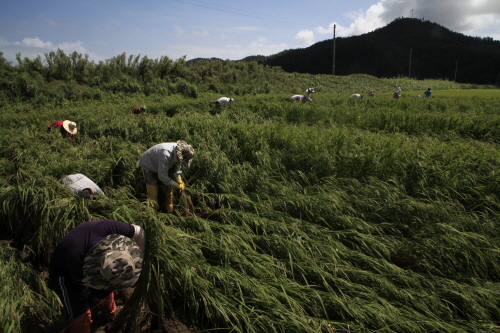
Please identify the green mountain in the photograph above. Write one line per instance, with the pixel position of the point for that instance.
(434, 52)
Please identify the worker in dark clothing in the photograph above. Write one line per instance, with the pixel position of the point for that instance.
(96, 257)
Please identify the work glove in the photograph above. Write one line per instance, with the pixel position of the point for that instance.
(180, 185)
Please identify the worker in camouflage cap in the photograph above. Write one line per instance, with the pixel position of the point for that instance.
(97, 258)
(114, 263)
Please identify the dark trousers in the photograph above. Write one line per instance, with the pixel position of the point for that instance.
(74, 296)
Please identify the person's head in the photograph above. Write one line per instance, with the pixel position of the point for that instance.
(70, 127)
(86, 193)
(185, 153)
(115, 263)
(429, 89)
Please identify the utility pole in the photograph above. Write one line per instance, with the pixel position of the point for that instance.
(409, 70)
(333, 66)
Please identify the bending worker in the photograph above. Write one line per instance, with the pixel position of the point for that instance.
(82, 186)
(156, 163)
(96, 257)
(67, 128)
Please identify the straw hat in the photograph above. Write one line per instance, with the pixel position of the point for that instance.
(115, 263)
(185, 153)
(70, 127)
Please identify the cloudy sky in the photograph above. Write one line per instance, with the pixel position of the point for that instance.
(216, 28)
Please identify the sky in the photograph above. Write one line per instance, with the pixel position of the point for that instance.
(226, 29)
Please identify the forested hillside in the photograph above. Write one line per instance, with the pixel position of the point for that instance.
(436, 52)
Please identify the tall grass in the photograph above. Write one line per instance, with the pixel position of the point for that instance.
(377, 215)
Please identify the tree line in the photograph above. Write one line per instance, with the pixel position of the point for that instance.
(59, 76)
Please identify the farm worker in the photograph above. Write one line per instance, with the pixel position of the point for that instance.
(67, 128)
(397, 93)
(371, 93)
(428, 93)
(307, 97)
(156, 163)
(223, 100)
(139, 109)
(97, 258)
(82, 186)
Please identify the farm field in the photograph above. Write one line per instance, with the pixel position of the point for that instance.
(372, 215)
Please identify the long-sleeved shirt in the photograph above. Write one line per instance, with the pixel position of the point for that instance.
(69, 255)
(59, 125)
(78, 182)
(159, 159)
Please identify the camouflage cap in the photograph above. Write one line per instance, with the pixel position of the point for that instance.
(185, 153)
(114, 263)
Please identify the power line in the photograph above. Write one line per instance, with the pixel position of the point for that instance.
(254, 16)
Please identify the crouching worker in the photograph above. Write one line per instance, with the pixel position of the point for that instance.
(156, 163)
(97, 258)
(222, 101)
(67, 128)
(82, 186)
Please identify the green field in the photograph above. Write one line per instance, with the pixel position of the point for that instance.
(372, 215)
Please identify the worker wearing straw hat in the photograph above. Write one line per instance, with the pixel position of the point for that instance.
(67, 128)
(156, 163)
(96, 257)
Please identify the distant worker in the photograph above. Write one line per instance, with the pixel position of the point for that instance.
(97, 258)
(67, 128)
(82, 186)
(428, 93)
(139, 109)
(307, 97)
(397, 93)
(358, 96)
(223, 100)
(371, 93)
(156, 163)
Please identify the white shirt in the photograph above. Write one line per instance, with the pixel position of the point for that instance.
(225, 100)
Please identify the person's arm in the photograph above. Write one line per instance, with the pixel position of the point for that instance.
(164, 163)
(50, 126)
(140, 238)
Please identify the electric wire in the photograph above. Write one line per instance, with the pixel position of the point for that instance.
(248, 15)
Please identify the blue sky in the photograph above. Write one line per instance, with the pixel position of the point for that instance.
(215, 28)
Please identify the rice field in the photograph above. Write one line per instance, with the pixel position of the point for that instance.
(372, 215)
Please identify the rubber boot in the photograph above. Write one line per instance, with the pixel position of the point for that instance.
(169, 200)
(153, 194)
(107, 305)
(81, 324)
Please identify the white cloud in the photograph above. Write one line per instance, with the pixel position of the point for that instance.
(305, 37)
(470, 17)
(32, 47)
(34, 42)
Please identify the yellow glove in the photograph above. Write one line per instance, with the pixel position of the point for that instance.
(180, 185)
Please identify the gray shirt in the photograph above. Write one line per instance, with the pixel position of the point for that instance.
(78, 182)
(159, 159)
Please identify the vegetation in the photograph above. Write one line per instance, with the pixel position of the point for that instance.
(372, 215)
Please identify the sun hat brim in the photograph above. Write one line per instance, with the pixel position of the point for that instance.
(66, 127)
(93, 262)
(185, 153)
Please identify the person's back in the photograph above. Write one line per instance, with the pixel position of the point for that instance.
(428, 93)
(81, 185)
